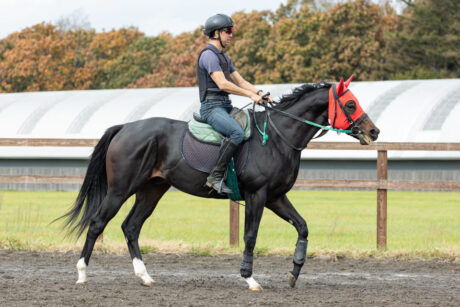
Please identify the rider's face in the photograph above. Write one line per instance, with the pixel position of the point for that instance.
(226, 36)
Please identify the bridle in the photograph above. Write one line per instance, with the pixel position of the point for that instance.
(354, 125)
(353, 129)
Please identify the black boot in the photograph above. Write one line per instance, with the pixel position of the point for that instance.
(216, 177)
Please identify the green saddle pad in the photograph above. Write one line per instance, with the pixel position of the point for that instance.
(206, 133)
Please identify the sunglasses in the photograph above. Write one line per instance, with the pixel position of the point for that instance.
(227, 30)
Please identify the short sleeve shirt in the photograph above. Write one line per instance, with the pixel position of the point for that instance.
(210, 62)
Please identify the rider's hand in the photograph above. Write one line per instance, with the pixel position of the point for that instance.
(257, 99)
(267, 98)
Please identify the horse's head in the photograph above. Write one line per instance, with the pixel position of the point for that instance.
(346, 113)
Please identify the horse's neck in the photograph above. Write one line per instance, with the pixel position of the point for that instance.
(308, 108)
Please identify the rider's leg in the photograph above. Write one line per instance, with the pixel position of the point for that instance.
(222, 122)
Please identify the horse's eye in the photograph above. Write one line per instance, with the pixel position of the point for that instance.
(351, 106)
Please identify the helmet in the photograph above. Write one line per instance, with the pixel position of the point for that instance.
(217, 22)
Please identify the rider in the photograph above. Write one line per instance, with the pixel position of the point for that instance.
(217, 77)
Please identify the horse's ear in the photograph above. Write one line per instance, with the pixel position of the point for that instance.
(340, 87)
(347, 83)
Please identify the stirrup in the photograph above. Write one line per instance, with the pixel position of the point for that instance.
(219, 187)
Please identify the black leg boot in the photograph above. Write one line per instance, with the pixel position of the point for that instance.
(216, 177)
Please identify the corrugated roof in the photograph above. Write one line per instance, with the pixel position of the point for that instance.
(405, 111)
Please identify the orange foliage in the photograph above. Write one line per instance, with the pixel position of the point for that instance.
(298, 43)
(177, 64)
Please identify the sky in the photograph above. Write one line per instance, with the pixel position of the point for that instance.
(149, 16)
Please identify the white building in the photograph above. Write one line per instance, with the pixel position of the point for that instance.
(405, 111)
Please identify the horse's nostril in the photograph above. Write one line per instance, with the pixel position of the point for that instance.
(374, 132)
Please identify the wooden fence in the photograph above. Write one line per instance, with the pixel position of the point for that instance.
(381, 184)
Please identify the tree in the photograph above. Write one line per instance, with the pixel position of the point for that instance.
(349, 39)
(139, 60)
(104, 48)
(248, 48)
(287, 51)
(77, 20)
(35, 59)
(177, 63)
(426, 43)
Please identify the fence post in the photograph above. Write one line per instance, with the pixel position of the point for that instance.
(234, 223)
(382, 175)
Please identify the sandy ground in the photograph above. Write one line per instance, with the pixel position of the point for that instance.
(48, 279)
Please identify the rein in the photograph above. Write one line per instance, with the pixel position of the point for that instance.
(297, 118)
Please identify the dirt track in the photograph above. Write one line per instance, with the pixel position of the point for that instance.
(31, 278)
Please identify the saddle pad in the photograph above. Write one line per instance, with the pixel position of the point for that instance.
(203, 156)
(206, 133)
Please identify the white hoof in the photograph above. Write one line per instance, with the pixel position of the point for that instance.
(147, 283)
(253, 284)
(81, 268)
(292, 280)
(141, 272)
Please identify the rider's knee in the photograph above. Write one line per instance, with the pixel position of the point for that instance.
(237, 136)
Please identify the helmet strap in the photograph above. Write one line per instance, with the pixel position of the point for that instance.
(220, 41)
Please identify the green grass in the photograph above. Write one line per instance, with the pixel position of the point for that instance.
(340, 223)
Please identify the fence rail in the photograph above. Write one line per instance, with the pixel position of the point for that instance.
(381, 184)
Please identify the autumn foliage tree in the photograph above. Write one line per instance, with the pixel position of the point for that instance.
(349, 38)
(177, 63)
(302, 41)
(36, 59)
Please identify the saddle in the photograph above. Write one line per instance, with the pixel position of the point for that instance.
(204, 132)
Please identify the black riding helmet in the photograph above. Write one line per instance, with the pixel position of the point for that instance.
(217, 22)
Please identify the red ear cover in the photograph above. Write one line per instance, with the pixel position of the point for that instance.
(347, 83)
(340, 87)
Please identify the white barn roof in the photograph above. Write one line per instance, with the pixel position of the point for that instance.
(405, 111)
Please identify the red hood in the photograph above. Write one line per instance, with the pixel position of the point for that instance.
(339, 96)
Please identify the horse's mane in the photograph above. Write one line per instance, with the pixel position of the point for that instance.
(288, 100)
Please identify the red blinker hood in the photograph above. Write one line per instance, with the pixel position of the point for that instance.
(339, 96)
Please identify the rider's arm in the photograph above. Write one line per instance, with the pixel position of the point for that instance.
(241, 82)
(219, 78)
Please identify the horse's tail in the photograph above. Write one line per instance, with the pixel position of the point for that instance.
(94, 187)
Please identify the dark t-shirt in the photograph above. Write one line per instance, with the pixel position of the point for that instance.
(210, 62)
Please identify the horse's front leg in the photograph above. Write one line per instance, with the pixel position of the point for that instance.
(253, 213)
(284, 209)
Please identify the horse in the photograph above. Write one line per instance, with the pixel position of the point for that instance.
(144, 158)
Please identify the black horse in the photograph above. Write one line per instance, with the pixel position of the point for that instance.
(144, 158)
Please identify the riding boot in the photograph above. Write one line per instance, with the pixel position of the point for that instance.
(216, 177)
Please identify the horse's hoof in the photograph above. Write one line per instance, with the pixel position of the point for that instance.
(80, 282)
(292, 280)
(148, 283)
(253, 284)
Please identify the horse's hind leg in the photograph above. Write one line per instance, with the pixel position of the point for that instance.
(284, 209)
(109, 207)
(146, 200)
